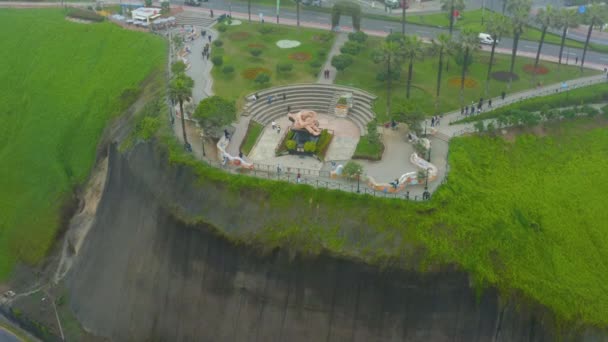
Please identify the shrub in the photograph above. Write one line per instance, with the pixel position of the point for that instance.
(228, 69)
(420, 149)
(265, 30)
(217, 60)
(222, 28)
(322, 53)
(372, 132)
(605, 110)
(178, 67)
(284, 67)
(218, 42)
(323, 144)
(309, 146)
(148, 3)
(479, 126)
(255, 52)
(84, 14)
(315, 63)
(342, 61)
(262, 78)
(351, 48)
(590, 111)
(291, 145)
(352, 169)
(165, 7)
(359, 37)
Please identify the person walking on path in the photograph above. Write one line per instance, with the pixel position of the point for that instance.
(274, 125)
(502, 95)
(209, 36)
(278, 129)
(284, 97)
(211, 13)
(490, 103)
(433, 121)
(576, 60)
(298, 178)
(269, 99)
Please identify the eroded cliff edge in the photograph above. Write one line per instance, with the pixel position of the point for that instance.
(145, 274)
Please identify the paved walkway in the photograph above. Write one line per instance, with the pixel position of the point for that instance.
(341, 38)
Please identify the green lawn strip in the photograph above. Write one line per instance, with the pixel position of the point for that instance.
(367, 150)
(253, 132)
(597, 93)
(64, 82)
(487, 218)
(362, 74)
(239, 40)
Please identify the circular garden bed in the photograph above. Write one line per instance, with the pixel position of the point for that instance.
(300, 56)
(252, 73)
(288, 44)
(256, 46)
(239, 35)
(503, 76)
(539, 70)
(468, 82)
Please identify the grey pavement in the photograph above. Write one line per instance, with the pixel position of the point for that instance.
(341, 38)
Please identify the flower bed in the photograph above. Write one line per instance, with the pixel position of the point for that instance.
(252, 73)
(468, 82)
(539, 70)
(300, 56)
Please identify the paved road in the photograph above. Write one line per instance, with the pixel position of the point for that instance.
(386, 26)
(7, 336)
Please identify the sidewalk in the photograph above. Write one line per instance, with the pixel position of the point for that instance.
(341, 38)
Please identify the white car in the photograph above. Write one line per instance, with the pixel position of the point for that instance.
(485, 38)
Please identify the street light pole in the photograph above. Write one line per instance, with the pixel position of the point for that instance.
(203, 143)
(426, 194)
(278, 6)
(358, 188)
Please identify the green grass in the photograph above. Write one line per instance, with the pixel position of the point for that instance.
(363, 73)
(60, 83)
(367, 150)
(236, 53)
(253, 132)
(525, 216)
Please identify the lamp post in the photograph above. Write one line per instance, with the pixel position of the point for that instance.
(358, 188)
(425, 128)
(429, 155)
(278, 6)
(426, 194)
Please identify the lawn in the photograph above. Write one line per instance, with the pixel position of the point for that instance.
(362, 73)
(306, 59)
(253, 132)
(60, 83)
(368, 150)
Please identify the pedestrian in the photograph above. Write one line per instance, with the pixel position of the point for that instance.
(503, 94)
(209, 36)
(288, 109)
(461, 110)
(203, 33)
(328, 72)
(274, 125)
(490, 103)
(208, 54)
(298, 177)
(226, 134)
(278, 129)
(466, 110)
(279, 169)
(211, 13)
(269, 99)
(393, 124)
(576, 60)
(433, 121)
(438, 120)
(241, 154)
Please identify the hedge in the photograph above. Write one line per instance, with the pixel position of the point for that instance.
(79, 13)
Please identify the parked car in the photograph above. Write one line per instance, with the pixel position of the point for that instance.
(316, 3)
(487, 39)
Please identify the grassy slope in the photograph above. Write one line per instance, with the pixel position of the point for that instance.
(253, 132)
(64, 82)
(363, 74)
(236, 54)
(525, 216)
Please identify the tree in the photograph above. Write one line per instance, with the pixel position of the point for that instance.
(352, 169)
(468, 43)
(594, 15)
(410, 114)
(214, 113)
(412, 49)
(450, 6)
(496, 26)
(262, 78)
(180, 90)
(565, 20)
(519, 11)
(390, 55)
(545, 19)
(178, 68)
(442, 45)
(341, 62)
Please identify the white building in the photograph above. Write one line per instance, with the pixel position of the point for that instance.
(146, 14)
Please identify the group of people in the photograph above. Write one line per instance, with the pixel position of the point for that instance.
(206, 51)
(436, 120)
(326, 73)
(276, 127)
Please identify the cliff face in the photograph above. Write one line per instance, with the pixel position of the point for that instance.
(142, 275)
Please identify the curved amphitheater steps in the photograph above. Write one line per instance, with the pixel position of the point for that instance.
(194, 19)
(318, 97)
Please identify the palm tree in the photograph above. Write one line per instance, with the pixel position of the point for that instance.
(566, 19)
(594, 15)
(545, 18)
(297, 11)
(391, 55)
(451, 5)
(249, 9)
(403, 5)
(496, 26)
(180, 89)
(412, 49)
(520, 11)
(468, 43)
(443, 45)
